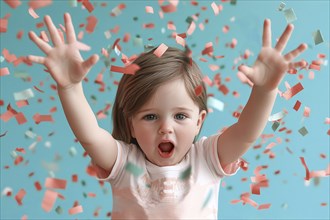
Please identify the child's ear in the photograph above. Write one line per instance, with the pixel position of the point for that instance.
(131, 129)
(200, 120)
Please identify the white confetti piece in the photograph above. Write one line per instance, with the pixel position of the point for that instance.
(215, 103)
(23, 95)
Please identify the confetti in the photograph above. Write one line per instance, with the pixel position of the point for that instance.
(23, 95)
(264, 206)
(215, 103)
(3, 25)
(161, 49)
(307, 177)
(130, 69)
(290, 16)
(297, 105)
(293, 91)
(318, 38)
(19, 196)
(42, 118)
(76, 210)
(215, 8)
(4, 71)
(55, 183)
(281, 6)
(49, 200)
(149, 9)
(36, 4)
(277, 116)
(91, 24)
(88, 5)
(186, 173)
(191, 28)
(303, 131)
(33, 13)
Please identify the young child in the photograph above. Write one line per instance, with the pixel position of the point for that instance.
(155, 167)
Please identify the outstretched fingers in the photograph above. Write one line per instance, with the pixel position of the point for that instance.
(36, 59)
(39, 42)
(53, 31)
(267, 34)
(70, 32)
(294, 53)
(281, 44)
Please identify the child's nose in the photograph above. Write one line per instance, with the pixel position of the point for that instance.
(165, 127)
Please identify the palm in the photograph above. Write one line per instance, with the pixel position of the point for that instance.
(63, 61)
(271, 65)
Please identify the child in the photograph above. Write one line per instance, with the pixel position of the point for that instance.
(155, 166)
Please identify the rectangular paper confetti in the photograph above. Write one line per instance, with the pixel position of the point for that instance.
(23, 95)
(293, 91)
(160, 50)
(55, 183)
(215, 103)
(76, 210)
(317, 36)
(49, 200)
(290, 16)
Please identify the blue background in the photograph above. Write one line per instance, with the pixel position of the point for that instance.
(291, 197)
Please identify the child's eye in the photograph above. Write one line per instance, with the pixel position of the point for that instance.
(150, 117)
(180, 116)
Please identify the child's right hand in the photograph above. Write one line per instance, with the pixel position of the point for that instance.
(63, 60)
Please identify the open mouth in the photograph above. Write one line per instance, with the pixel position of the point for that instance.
(166, 149)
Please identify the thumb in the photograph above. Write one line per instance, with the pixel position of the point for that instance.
(90, 62)
(247, 71)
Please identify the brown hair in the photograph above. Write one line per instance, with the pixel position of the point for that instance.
(135, 90)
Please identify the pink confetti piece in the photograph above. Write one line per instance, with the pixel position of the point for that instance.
(37, 185)
(293, 91)
(149, 9)
(55, 183)
(8, 57)
(297, 105)
(4, 71)
(33, 13)
(180, 40)
(42, 118)
(36, 4)
(168, 8)
(161, 49)
(215, 8)
(307, 177)
(191, 28)
(49, 200)
(91, 23)
(130, 69)
(88, 5)
(198, 90)
(20, 118)
(76, 210)
(3, 25)
(19, 196)
(307, 112)
(13, 3)
(264, 206)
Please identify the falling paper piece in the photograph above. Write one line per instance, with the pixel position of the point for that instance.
(290, 16)
(49, 200)
(23, 95)
(3, 25)
(215, 103)
(186, 173)
(276, 116)
(317, 37)
(293, 91)
(76, 210)
(303, 131)
(161, 49)
(19, 196)
(55, 183)
(281, 6)
(130, 69)
(4, 71)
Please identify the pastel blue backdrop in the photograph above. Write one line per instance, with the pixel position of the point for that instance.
(290, 196)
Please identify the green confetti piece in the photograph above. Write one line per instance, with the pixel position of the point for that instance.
(93, 97)
(133, 169)
(135, 18)
(72, 151)
(233, 2)
(281, 6)
(59, 210)
(275, 125)
(317, 37)
(207, 199)
(258, 157)
(2, 59)
(73, 3)
(186, 174)
(303, 131)
(83, 182)
(290, 16)
(189, 19)
(229, 187)
(85, 195)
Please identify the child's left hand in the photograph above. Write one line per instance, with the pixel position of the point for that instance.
(271, 65)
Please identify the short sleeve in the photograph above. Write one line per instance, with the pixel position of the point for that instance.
(103, 175)
(210, 152)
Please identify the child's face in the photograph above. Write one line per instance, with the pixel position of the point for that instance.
(165, 127)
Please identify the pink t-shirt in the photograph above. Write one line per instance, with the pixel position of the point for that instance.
(188, 190)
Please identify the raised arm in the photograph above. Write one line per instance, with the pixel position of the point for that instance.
(67, 68)
(266, 74)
